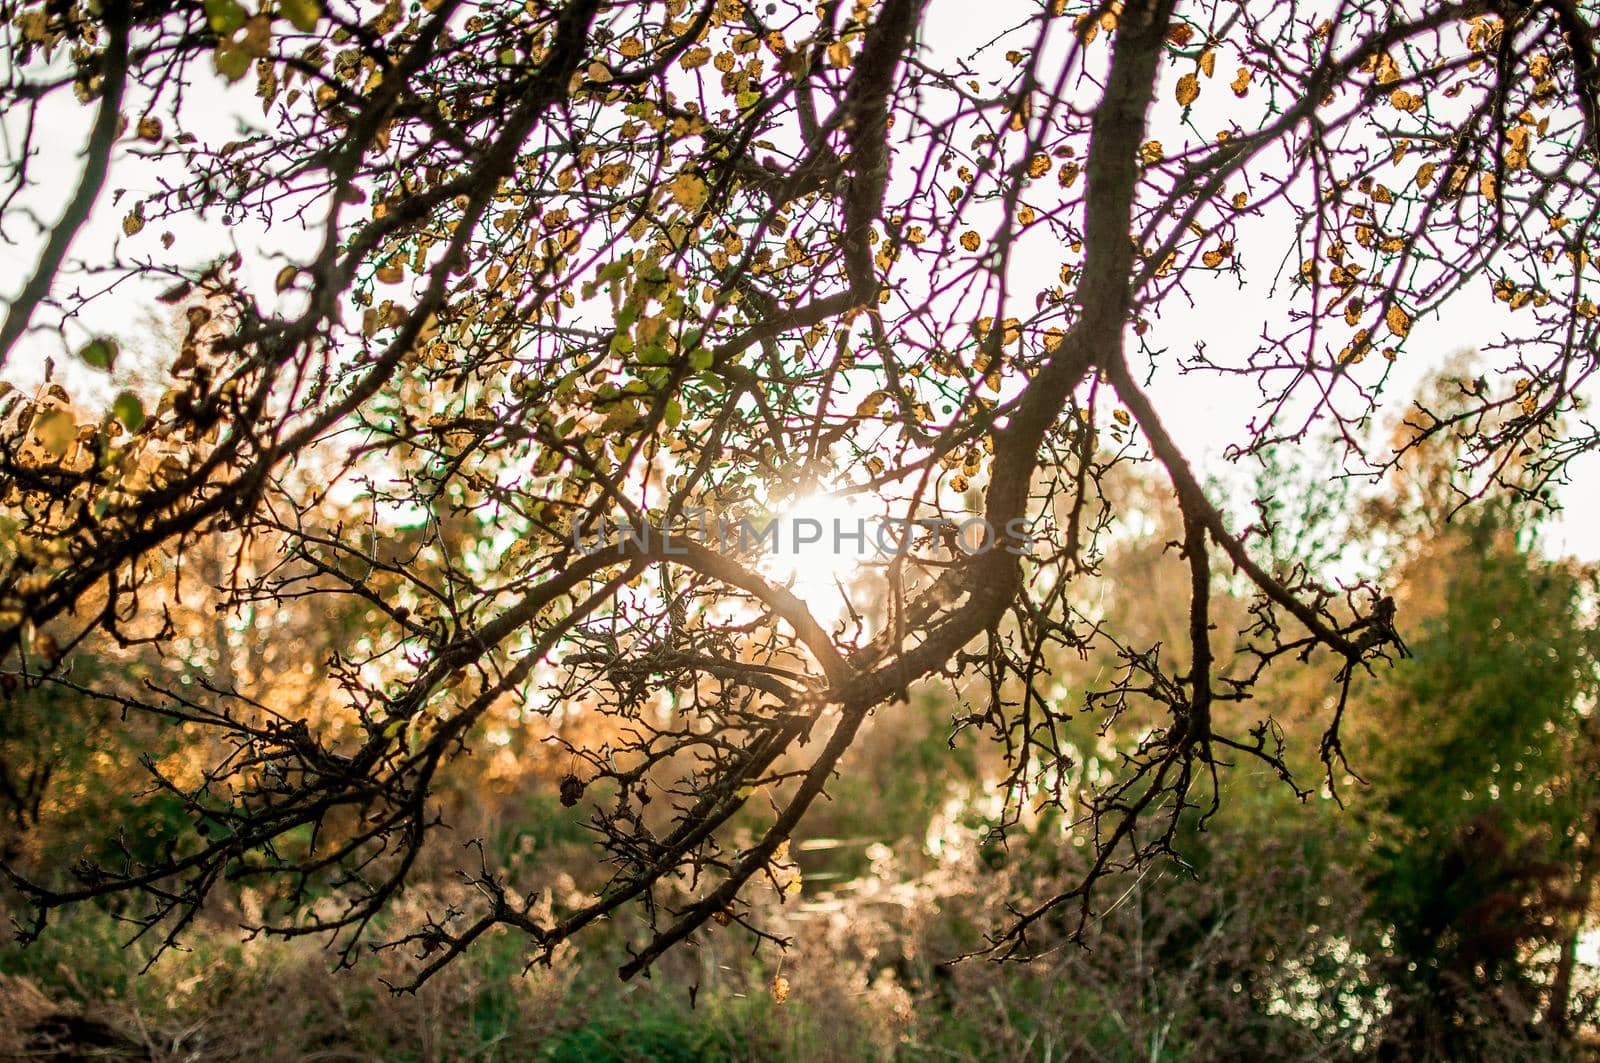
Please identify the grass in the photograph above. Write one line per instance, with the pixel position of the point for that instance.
(223, 998)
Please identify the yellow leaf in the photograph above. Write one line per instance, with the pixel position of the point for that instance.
(54, 430)
(839, 55)
(284, 278)
(391, 273)
(1425, 174)
(780, 989)
(1241, 82)
(688, 191)
(1401, 100)
(45, 646)
(1038, 166)
(1151, 152)
(150, 128)
(1020, 116)
(1188, 89)
(971, 240)
(695, 58)
(134, 221)
(1398, 320)
(1208, 62)
(1213, 258)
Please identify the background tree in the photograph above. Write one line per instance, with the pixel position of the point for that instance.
(1482, 805)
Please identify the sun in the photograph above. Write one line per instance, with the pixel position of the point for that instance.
(824, 541)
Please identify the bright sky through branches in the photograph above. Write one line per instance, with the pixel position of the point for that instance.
(1206, 411)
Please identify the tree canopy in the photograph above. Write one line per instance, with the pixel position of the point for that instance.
(519, 271)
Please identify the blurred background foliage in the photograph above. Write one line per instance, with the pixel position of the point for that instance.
(1437, 903)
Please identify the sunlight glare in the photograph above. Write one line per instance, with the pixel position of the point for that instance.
(824, 541)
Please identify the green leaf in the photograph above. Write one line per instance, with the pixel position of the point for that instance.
(129, 410)
(225, 16)
(700, 358)
(232, 63)
(673, 414)
(303, 13)
(100, 353)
